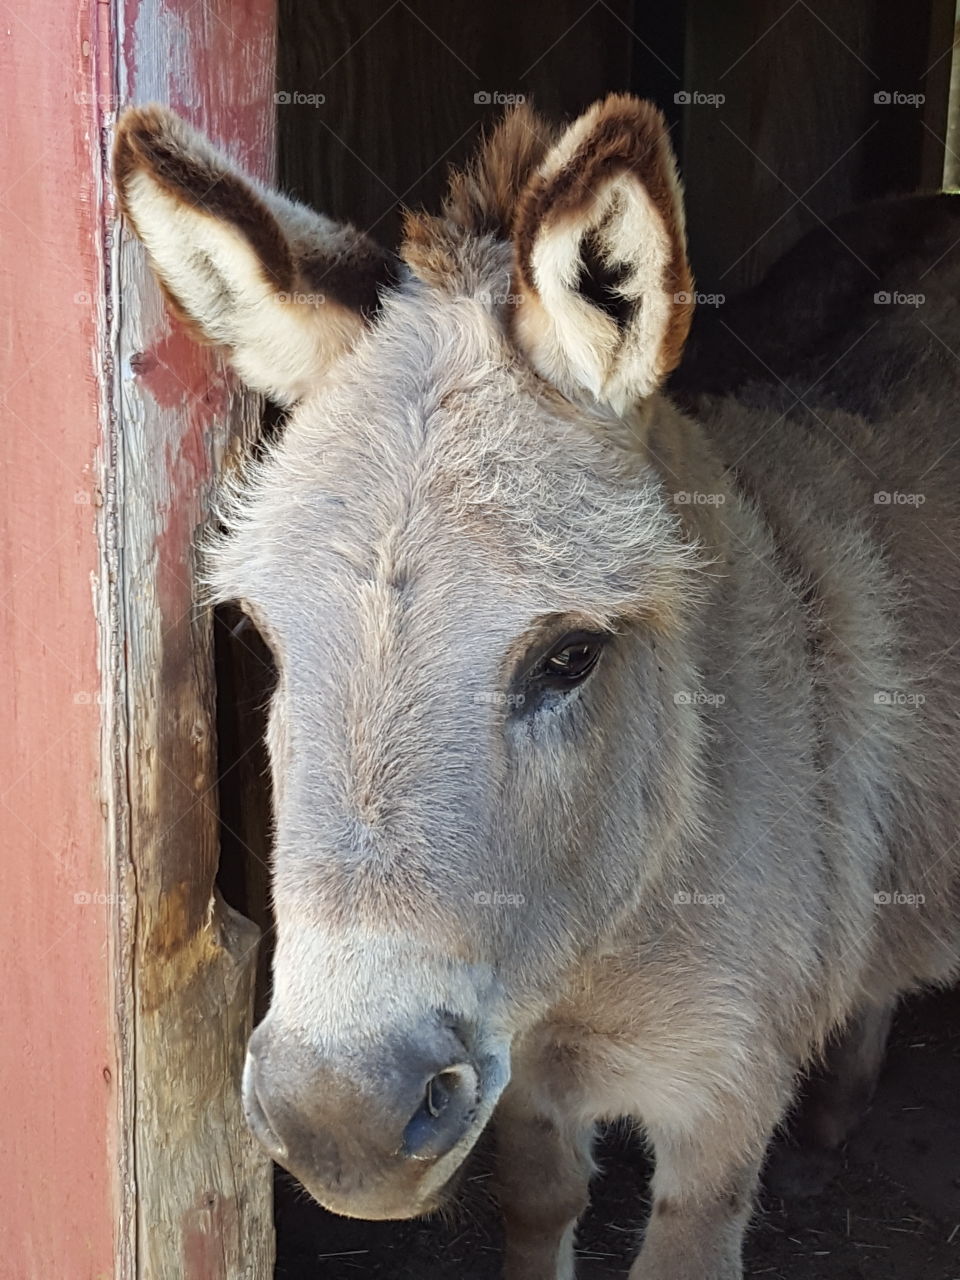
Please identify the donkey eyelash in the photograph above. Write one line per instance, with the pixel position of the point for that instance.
(567, 662)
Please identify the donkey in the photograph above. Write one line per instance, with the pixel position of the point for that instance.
(614, 749)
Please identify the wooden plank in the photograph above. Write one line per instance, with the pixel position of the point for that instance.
(800, 136)
(936, 162)
(399, 82)
(951, 159)
(203, 1186)
(61, 1126)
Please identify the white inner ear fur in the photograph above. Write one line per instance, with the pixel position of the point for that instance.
(280, 344)
(571, 341)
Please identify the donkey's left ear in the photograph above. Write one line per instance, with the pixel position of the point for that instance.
(605, 290)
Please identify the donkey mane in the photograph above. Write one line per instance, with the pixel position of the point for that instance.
(482, 197)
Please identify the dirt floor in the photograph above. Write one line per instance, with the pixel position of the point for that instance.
(890, 1211)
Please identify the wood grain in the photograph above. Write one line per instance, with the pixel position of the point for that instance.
(399, 83)
(202, 1185)
(800, 138)
(62, 1122)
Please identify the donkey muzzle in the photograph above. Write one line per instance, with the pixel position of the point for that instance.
(371, 1134)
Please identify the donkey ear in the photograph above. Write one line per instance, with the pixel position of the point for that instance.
(285, 289)
(605, 287)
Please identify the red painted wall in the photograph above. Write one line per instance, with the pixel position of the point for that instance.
(66, 1173)
(58, 1070)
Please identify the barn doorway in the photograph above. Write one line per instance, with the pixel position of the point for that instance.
(783, 115)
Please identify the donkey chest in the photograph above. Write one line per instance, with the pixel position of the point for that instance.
(641, 1042)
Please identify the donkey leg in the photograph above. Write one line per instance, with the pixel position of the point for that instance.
(699, 1214)
(544, 1170)
(832, 1102)
(839, 1092)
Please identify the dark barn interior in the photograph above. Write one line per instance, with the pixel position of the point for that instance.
(784, 115)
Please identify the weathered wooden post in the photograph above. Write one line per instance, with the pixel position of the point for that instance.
(128, 982)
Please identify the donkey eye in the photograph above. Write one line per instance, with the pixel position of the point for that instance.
(572, 659)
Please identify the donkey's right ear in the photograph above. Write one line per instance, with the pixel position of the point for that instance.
(285, 289)
(605, 290)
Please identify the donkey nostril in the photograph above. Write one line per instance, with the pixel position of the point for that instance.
(446, 1112)
(439, 1092)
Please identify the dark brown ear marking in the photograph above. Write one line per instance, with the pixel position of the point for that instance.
(357, 280)
(148, 140)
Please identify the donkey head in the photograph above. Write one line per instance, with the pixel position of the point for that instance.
(467, 566)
